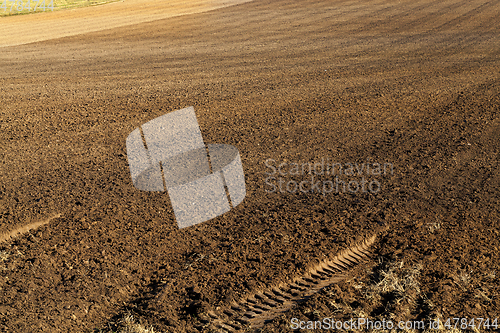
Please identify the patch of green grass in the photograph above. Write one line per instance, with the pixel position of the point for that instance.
(22, 7)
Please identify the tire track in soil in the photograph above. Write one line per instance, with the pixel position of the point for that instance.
(26, 228)
(468, 16)
(263, 306)
(381, 19)
(438, 13)
(414, 41)
(355, 11)
(362, 15)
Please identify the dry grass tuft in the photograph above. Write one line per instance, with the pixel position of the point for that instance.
(393, 294)
(128, 325)
(434, 226)
(463, 280)
(399, 287)
(4, 255)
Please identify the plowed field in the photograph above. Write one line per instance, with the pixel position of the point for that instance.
(413, 86)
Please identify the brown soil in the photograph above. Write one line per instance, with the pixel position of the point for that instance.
(412, 83)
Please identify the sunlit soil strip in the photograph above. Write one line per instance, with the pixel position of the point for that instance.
(24, 29)
(30, 7)
(25, 228)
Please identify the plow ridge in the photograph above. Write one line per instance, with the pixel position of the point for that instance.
(261, 307)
